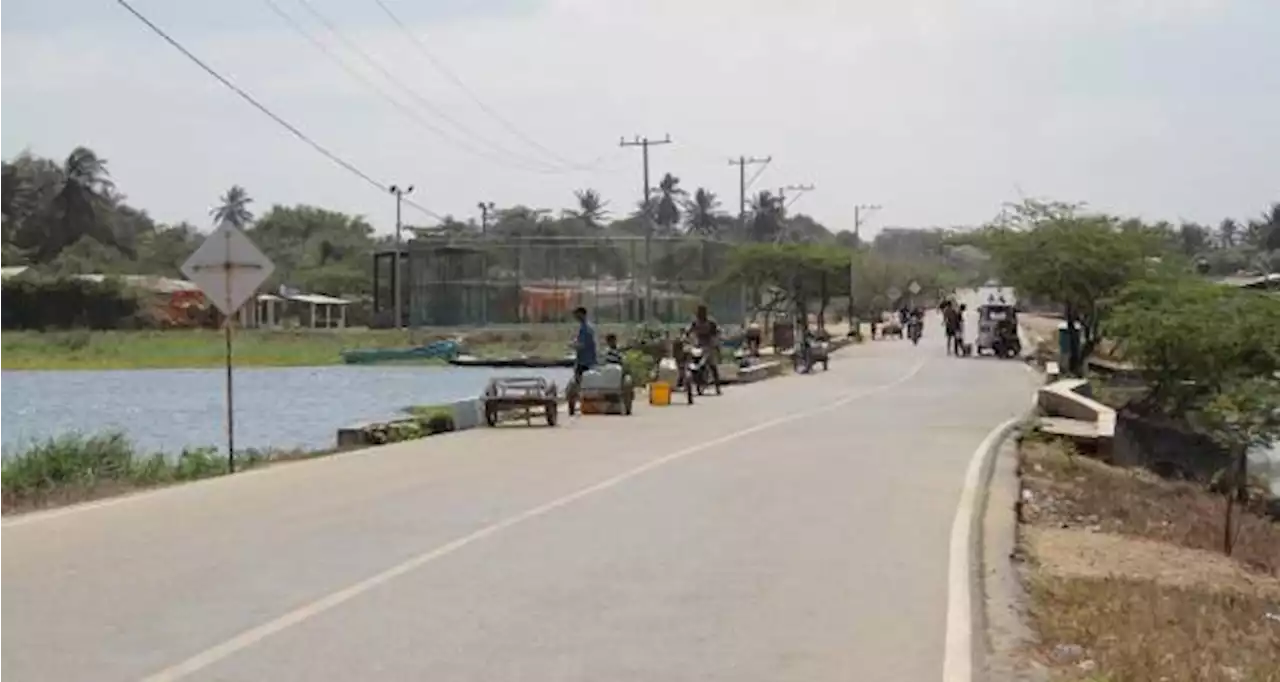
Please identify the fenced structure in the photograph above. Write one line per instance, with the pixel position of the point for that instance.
(472, 281)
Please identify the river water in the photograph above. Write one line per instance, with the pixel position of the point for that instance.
(168, 410)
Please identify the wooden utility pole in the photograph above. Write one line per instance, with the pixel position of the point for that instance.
(742, 162)
(644, 143)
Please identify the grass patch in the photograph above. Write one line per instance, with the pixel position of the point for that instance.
(1127, 581)
(184, 348)
(76, 468)
(83, 349)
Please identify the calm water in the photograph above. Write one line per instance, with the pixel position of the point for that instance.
(166, 410)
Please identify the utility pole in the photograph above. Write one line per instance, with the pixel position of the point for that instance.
(486, 207)
(801, 189)
(742, 162)
(853, 258)
(858, 218)
(399, 193)
(644, 143)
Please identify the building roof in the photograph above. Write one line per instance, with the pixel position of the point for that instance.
(318, 299)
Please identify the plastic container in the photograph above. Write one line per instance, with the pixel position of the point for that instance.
(660, 393)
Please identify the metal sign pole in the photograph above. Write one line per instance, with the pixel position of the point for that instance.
(227, 322)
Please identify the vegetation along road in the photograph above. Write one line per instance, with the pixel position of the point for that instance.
(793, 529)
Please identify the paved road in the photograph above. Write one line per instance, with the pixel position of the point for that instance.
(792, 530)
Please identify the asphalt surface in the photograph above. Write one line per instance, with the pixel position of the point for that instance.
(795, 529)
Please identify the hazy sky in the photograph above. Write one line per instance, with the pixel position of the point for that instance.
(937, 109)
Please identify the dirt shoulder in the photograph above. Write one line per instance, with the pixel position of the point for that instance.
(1126, 579)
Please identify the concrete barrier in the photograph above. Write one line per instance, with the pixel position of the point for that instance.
(467, 413)
(758, 372)
(1070, 399)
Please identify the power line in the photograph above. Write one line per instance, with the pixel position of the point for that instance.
(426, 103)
(457, 81)
(347, 165)
(379, 90)
(742, 162)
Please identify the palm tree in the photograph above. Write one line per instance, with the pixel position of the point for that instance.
(234, 208)
(702, 213)
(667, 214)
(86, 186)
(591, 209)
(767, 218)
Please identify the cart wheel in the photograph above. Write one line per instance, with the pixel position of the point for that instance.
(551, 414)
(491, 417)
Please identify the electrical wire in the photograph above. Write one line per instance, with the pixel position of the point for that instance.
(347, 165)
(377, 89)
(532, 165)
(756, 176)
(461, 85)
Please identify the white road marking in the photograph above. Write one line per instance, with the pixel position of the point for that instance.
(957, 662)
(303, 613)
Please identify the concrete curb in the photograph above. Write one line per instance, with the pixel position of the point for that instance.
(963, 652)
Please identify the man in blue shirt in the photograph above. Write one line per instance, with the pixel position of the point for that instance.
(585, 344)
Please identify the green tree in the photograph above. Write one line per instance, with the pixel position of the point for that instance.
(1078, 260)
(667, 212)
(592, 210)
(766, 217)
(233, 207)
(702, 215)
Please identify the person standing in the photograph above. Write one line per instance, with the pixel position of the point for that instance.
(584, 345)
(951, 324)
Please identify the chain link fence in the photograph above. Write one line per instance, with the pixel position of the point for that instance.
(472, 282)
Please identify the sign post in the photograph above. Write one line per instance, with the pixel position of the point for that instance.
(228, 268)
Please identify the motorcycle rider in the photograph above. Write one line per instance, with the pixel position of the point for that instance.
(706, 333)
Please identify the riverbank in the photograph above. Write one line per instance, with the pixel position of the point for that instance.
(1127, 579)
(75, 468)
(202, 348)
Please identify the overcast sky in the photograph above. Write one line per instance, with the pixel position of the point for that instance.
(938, 109)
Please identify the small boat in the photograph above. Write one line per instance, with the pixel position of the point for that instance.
(472, 361)
(436, 350)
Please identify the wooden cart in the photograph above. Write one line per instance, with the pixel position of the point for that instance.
(527, 397)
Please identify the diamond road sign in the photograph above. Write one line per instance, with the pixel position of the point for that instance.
(913, 287)
(228, 268)
(893, 293)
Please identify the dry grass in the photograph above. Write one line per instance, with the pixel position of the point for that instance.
(1137, 630)
(1067, 490)
(1128, 582)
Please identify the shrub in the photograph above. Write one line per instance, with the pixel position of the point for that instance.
(67, 302)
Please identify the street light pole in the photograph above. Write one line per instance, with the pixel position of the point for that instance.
(486, 207)
(397, 285)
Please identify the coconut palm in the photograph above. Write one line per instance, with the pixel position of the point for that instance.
(667, 212)
(591, 209)
(85, 191)
(234, 208)
(767, 217)
(702, 213)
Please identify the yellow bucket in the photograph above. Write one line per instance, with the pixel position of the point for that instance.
(659, 393)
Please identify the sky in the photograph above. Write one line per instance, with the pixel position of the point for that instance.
(937, 110)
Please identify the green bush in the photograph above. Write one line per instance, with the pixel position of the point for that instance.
(67, 302)
(76, 465)
(639, 364)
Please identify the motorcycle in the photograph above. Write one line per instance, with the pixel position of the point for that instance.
(915, 328)
(697, 372)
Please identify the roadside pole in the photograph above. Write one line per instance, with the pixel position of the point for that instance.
(228, 268)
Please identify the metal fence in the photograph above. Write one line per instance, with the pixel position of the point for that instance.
(528, 280)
